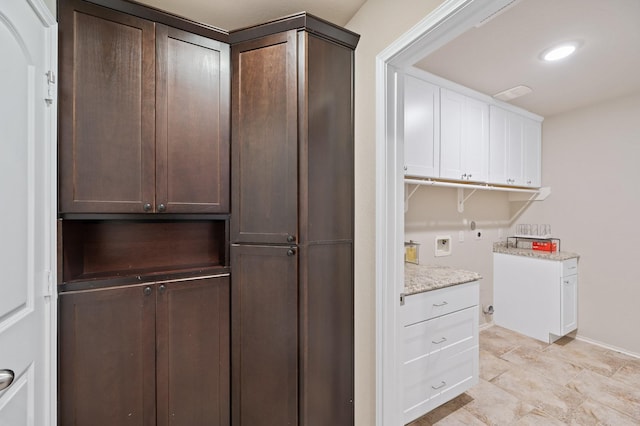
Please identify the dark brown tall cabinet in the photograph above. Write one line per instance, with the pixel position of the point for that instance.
(144, 286)
(292, 223)
(205, 233)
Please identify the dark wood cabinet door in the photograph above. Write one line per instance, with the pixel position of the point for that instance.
(107, 102)
(264, 306)
(326, 333)
(192, 119)
(264, 140)
(193, 353)
(107, 357)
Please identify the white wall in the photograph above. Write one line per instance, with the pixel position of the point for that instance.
(379, 22)
(433, 212)
(591, 160)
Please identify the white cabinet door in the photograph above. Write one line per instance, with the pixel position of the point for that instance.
(421, 128)
(464, 137)
(498, 145)
(514, 149)
(569, 304)
(27, 147)
(532, 146)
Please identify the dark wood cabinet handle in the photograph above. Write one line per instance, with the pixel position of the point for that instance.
(146, 207)
(162, 208)
(147, 291)
(291, 252)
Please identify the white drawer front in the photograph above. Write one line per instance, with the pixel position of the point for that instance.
(453, 332)
(431, 304)
(433, 380)
(569, 267)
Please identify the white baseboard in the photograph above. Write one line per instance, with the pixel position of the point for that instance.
(607, 346)
(485, 325)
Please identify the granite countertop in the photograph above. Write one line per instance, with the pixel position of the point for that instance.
(420, 278)
(501, 247)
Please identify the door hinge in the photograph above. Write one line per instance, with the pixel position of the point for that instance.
(51, 90)
(402, 296)
(48, 284)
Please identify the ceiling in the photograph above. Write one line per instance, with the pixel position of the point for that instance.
(236, 14)
(504, 53)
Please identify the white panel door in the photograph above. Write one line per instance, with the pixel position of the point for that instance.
(26, 219)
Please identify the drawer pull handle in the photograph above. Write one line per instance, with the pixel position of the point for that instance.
(440, 386)
(440, 304)
(444, 339)
(567, 281)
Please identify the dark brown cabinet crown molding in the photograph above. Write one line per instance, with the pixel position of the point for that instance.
(162, 17)
(300, 21)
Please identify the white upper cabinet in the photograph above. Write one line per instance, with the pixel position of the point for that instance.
(421, 128)
(464, 137)
(467, 136)
(514, 148)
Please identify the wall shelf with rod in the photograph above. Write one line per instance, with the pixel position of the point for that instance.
(515, 194)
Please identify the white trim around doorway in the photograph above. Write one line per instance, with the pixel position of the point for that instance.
(450, 19)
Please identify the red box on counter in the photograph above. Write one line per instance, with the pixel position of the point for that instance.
(544, 246)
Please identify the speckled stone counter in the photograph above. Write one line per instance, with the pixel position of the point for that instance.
(501, 247)
(420, 278)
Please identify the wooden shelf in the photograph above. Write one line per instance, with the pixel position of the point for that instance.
(127, 251)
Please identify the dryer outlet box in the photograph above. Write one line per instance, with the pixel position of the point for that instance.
(443, 245)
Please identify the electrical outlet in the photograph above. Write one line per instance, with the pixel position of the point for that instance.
(478, 234)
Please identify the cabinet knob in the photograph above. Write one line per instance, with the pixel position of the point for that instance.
(405, 168)
(162, 288)
(468, 176)
(290, 238)
(146, 207)
(464, 176)
(291, 252)
(528, 182)
(162, 208)
(147, 291)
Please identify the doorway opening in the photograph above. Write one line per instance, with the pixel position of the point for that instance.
(445, 23)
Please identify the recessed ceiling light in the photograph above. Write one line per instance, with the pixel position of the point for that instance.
(559, 52)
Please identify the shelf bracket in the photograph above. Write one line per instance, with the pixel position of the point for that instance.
(407, 196)
(462, 199)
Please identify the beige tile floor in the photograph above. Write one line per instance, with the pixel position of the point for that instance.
(527, 382)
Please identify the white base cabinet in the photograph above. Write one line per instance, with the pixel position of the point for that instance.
(535, 297)
(440, 358)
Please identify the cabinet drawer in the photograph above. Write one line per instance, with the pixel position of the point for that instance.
(570, 267)
(452, 333)
(432, 304)
(434, 380)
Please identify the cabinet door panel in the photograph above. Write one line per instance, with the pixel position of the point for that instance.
(107, 354)
(326, 330)
(264, 310)
(451, 135)
(264, 137)
(106, 110)
(193, 352)
(532, 146)
(421, 122)
(192, 110)
(569, 304)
